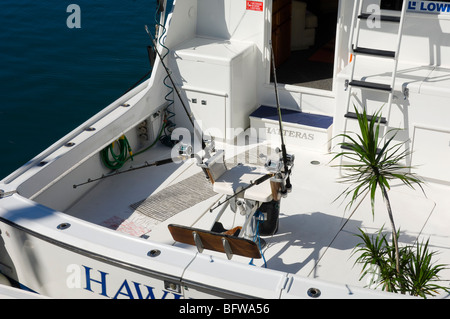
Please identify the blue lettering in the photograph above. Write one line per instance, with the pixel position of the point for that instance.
(150, 294)
(431, 6)
(102, 281)
(124, 289)
(422, 7)
(129, 294)
(442, 7)
(149, 289)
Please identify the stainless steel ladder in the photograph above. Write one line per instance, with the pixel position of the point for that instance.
(356, 50)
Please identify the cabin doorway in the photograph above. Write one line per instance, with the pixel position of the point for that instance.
(303, 37)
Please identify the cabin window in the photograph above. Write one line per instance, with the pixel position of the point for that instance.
(396, 4)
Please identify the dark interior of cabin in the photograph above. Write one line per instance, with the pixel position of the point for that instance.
(303, 34)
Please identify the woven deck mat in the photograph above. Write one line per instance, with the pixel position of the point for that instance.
(176, 198)
(184, 194)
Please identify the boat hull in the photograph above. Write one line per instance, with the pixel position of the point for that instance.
(55, 269)
(59, 256)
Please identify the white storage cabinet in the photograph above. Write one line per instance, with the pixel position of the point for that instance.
(216, 79)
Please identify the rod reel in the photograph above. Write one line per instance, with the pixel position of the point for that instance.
(281, 169)
(184, 149)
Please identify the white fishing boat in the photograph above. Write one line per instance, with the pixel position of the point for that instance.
(9, 292)
(244, 205)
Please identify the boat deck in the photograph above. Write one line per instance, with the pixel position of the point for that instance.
(316, 234)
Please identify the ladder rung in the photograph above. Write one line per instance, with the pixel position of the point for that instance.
(382, 53)
(371, 85)
(352, 115)
(346, 147)
(382, 17)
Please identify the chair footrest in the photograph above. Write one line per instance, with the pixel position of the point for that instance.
(220, 242)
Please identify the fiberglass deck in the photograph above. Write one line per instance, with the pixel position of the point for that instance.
(315, 236)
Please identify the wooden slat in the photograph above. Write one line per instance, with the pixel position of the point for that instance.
(213, 241)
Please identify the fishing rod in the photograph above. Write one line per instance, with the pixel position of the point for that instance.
(146, 164)
(288, 186)
(172, 81)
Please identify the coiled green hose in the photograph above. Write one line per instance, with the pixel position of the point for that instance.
(115, 160)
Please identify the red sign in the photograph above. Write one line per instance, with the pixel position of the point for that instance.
(254, 5)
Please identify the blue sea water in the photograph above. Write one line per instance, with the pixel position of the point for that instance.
(53, 78)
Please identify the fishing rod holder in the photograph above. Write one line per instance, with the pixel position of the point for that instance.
(276, 167)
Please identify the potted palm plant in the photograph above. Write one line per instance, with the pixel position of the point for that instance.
(418, 276)
(372, 166)
(372, 162)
